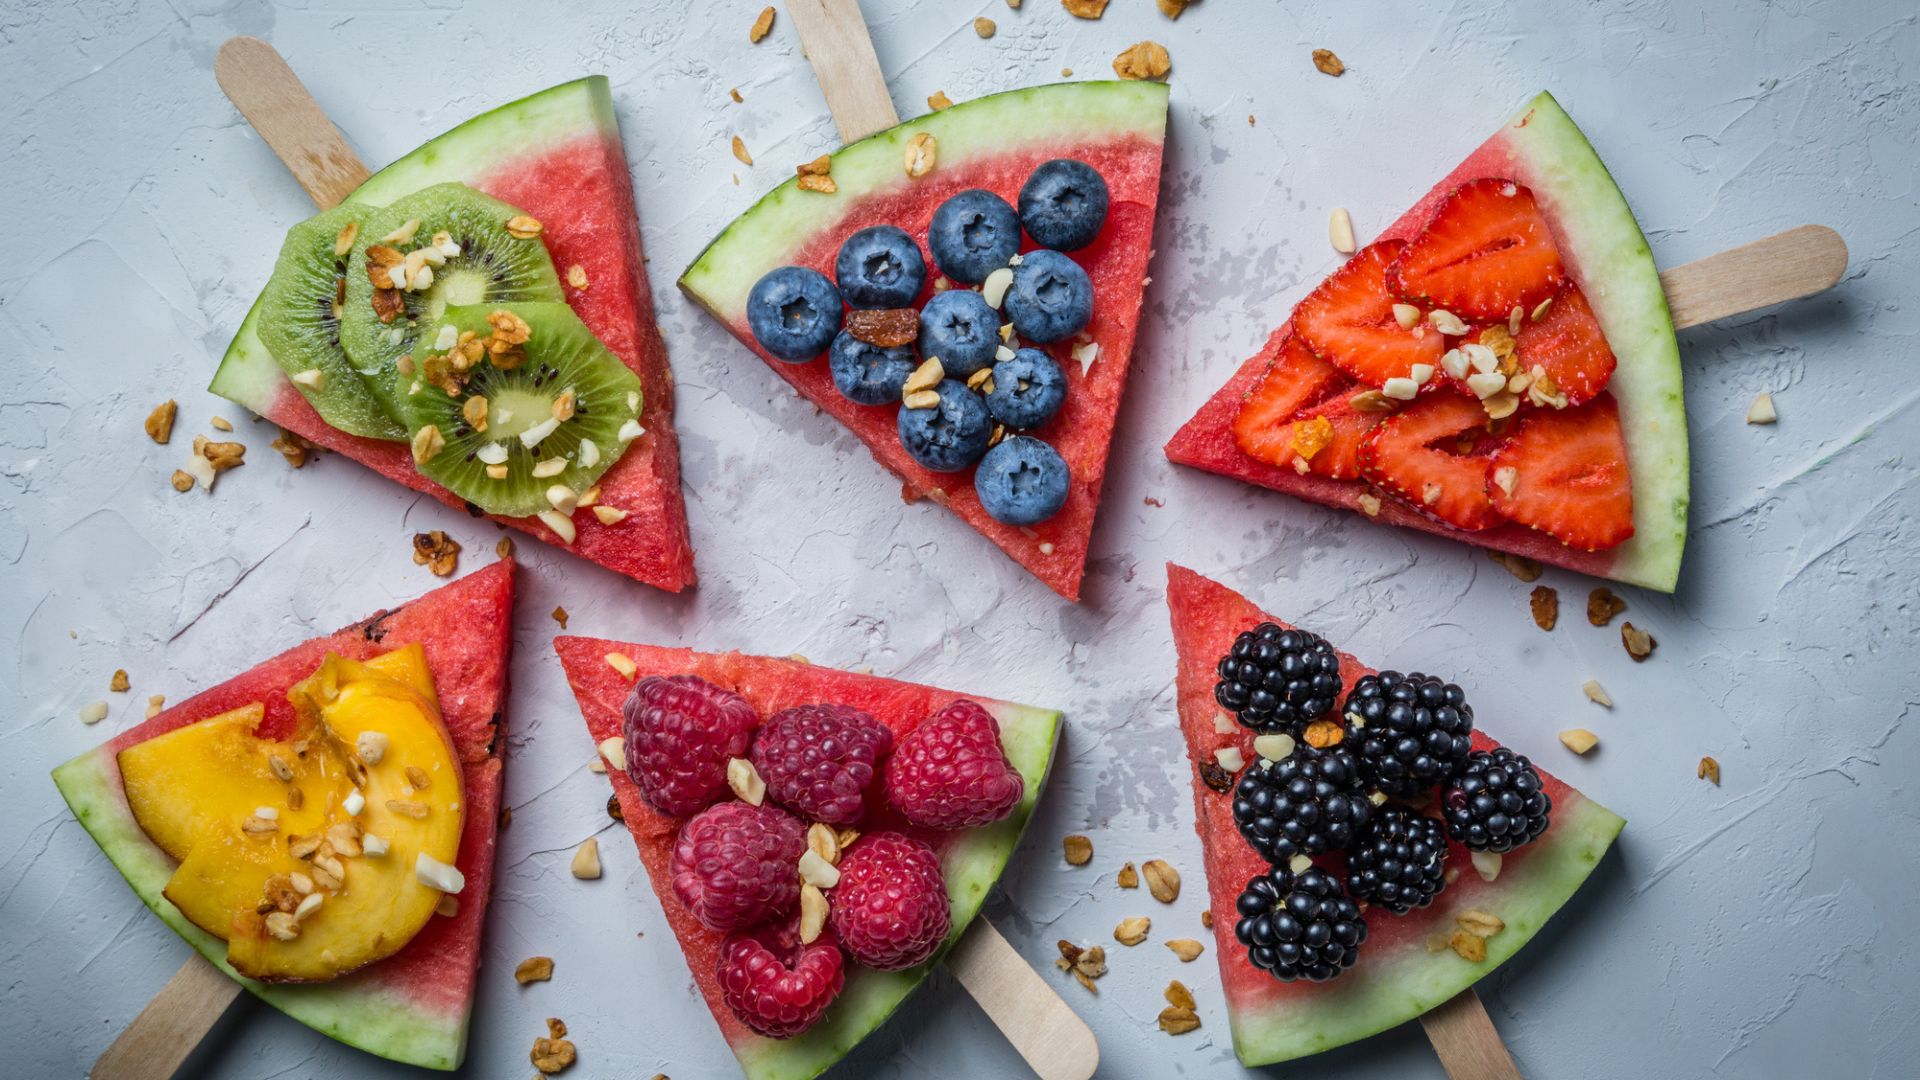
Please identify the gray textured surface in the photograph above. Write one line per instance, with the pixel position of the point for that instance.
(1751, 930)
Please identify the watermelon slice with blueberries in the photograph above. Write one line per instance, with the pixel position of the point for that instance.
(555, 157)
(1397, 903)
(1006, 238)
(1522, 286)
(900, 804)
(414, 1005)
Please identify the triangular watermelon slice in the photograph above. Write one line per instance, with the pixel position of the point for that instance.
(1397, 977)
(558, 156)
(971, 859)
(414, 1005)
(992, 143)
(1607, 259)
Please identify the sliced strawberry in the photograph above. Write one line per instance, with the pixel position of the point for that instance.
(1399, 457)
(1295, 378)
(1564, 472)
(1349, 321)
(1567, 342)
(1487, 250)
(1339, 458)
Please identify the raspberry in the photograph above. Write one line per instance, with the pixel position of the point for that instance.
(681, 730)
(734, 865)
(949, 773)
(818, 760)
(776, 985)
(890, 907)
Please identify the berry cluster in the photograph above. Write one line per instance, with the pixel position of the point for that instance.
(753, 867)
(1359, 780)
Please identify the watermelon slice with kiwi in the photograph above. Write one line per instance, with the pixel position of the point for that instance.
(971, 859)
(558, 156)
(414, 1005)
(1531, 214)
(1398, 976)
(992, 143)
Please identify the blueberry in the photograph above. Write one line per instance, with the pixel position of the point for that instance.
(794, 313)
(880, 267)
(1063, 204)
(973, 234)
(950, 436)
(869, 374)
(1022, 481)
(1051, 297)
(1027, 390)
(960, 328)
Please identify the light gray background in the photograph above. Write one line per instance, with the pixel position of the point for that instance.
(1757, 929)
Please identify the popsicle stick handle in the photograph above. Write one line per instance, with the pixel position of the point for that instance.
(1056, 1044)
(1464, 1037)
(159, 1040)
(1782, 267)
(834, 34)
(272, 98)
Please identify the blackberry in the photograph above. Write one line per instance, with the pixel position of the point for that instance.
(1496, 802)
(1278, 680)
(1299, 926)
(1400, 861)
(1411, 731)
(1306, 804)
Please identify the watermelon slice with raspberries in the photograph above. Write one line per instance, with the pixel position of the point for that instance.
(414, 1005)
(971, 859)
(1531, 247)
(992, 143)
(1398, 975)
(557, 155)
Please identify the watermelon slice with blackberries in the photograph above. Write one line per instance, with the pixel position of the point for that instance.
(1522, 285)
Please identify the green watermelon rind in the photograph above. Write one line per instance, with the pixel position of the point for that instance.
(378, 1021)
(248, 374)
(786, 217)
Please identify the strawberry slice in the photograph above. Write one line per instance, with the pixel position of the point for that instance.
(1564, 472)
(1487, 250)
(1339, 457)
(1399, 457)
(1568, 344)
(1295, 378)
(1349, 321)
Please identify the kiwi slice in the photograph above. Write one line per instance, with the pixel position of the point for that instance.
(300, 323)
(518, 408)
(456, 246)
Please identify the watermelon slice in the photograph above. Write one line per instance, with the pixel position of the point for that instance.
(558, 156)
(992, 143)
(972, 859)
(1607, 259)
(414, 1005)
(1397, 977)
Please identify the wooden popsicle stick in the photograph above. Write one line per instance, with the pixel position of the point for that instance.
(159, 1040)
(835, 37)
(1055, 1042)
(1784, 266)
(1464, 1036)
(273, 99)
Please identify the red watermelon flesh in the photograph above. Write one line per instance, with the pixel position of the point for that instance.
(1397, 977)
(414, 1005)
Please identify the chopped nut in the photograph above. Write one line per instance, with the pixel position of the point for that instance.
(1373, 401)
(745, 781)
(920, 399)
(740, 151)
(1079, 850)
(159, 423)
(119, 684)
(614, 750)
(824, 843)
(1340, 232)
(427, 442)
(939, 100)
(1603, 605)
(1545, 602)
(371, 746)
(1128, 878)
(1144, 60)
(436, 551)
(1163, 881)
(922, 151)
(1186, 948)
(182, 480)
(1760, 412)
(1230, 759)
(1596, 693)
(1084, 9)
(586, 859)
(1328, 63)
(1323, 733)
(890, 327)
(1639, 643)
(813, 913)
(816, 870)
(93, 713)
(524, 227)
(1132, 931)
(1172, 8)
(1274, 746)
(554, 1053)
(762, 23)
(984, 27)
(1518, 565)
(1579, 740)
(155, 703)
(293, 448)
(1709, 770)
(222, 455)
(622, 663)
(1468, 946)
(1487, 864)
(817, 175)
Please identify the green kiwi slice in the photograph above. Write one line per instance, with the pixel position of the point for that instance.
(518, 408)
(470, 254)
(300, 323)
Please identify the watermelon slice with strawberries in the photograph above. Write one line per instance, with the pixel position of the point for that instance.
(414, 1005)
(1398, 975)
(992, 143)
(558, 156)
(1522, 285)
(603, 674)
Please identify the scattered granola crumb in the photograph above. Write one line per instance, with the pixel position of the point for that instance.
(1079, 850)
(1206, 918)
(1066, 73)
(817, 175)
(1085, 9)
(1085, 964)
(1518, 565)
(1596, 693)
(740, 151)
(735, 95)
(119, 684)
(294, 448)
(922, 150)
(504, 548)
(1579, 740)
(1545, 602)
(181, 480)
(762, 24)
(1186, 948)
(554, 1053)
(1468, 946)
(939, 100)
(1128, 878)
(1639, 643)
(1172, 9)
(1163, 881)
(1179, 1016)
(436, 551)
(984, 27)
(155, 703)
(1132, 930)
(1481, 924)
(159, 423)
(560, 616)
(1709, 770)
(534, 969)
(1762, 411)
(1144, 60)
(1328, 63)
(1603, 605)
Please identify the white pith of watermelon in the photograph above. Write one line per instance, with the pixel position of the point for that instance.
(558, 155)
(413, 1006)
(971, 859)
(992, 143)
(1607, 256)
(1397, 977)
